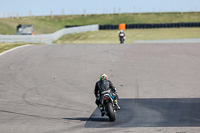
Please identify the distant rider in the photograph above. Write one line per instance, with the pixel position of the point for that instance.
(122, 36)
(103, 85)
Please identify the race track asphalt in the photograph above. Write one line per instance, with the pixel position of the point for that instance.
(151, 112)
(49, 88)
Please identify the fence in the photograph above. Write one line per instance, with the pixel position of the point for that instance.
(47, 38)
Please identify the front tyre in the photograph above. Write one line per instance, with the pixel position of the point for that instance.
(111, 113)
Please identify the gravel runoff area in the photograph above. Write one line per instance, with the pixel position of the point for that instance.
(195, 40)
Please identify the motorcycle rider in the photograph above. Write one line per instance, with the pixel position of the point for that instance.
(122, 36)
(103, 85)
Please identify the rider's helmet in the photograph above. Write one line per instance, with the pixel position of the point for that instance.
(104, 76)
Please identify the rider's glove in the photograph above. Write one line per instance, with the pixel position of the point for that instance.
(115, 90)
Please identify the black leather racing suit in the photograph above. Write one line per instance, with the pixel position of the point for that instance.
(103, 85)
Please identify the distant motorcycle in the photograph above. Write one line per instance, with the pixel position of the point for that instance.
(122, 37)
(109, 106)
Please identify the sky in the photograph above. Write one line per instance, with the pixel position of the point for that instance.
(73, 7)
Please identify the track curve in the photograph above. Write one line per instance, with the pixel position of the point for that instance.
(49, 88)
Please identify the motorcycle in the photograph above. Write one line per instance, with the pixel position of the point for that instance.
(109, 106)
(122, 37)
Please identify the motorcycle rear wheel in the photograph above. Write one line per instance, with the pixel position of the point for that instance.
(121, 41)
(110, 110)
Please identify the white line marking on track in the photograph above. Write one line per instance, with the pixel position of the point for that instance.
(14, 49)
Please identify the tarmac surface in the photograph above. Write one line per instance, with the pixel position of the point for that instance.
(189, 40)
(49, 88)
(158, 112)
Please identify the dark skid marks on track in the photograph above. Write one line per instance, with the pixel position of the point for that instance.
(153, 112)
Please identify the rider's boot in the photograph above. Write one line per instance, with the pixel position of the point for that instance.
(115, 101)
(101, 109)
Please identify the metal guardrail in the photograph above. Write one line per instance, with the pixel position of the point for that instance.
(47, 38)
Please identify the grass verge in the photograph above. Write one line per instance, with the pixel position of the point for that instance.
(48, 24)
(111, 36)
(7, 46)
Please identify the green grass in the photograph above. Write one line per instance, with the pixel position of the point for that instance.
(46, 24)
(111, 36)
(7, 46)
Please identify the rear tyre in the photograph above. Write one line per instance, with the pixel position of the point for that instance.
(121, 41)
(111, 113)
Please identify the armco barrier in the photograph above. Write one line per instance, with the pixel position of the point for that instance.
(47, 38)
